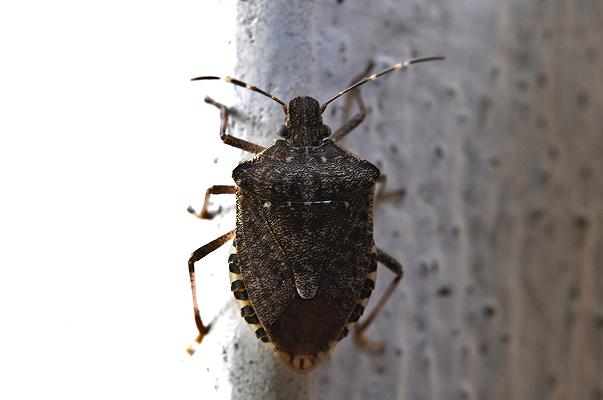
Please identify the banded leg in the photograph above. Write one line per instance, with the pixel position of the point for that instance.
(359, 117)
(216, 189)
(226, 138)
(382, 195)
(196, 256)
(396, 268)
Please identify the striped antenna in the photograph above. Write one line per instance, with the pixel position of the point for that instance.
(242, 84)
(405, 64)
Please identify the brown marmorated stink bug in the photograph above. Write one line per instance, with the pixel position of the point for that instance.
(303, 261)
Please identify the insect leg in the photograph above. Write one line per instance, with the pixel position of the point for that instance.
(228, 139)
(216, 189)
(196, 256)
(396, 268)
(382, 195)
(359, 117)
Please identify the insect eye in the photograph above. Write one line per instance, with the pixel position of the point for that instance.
(283, 132)
(326, 131)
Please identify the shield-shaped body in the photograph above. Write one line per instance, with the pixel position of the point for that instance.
(303, 262)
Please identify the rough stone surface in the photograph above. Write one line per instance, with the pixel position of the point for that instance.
(499, 148)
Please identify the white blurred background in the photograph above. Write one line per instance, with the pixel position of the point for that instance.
(104, 142)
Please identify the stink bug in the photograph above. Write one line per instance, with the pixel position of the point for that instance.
(303, 261)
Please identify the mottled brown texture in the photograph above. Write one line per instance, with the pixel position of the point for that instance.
(304, 239)
(304, 123)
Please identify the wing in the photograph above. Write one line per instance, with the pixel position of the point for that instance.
(309, 235)
(304, 266)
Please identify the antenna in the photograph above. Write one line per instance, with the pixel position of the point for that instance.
(242, 84)
(402, 65)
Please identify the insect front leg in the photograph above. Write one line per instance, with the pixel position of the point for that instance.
(353, 96)
(227, 138)
(396, 268)
(216, 189)
(196, 256)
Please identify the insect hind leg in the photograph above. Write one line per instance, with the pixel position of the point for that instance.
(396, 268)
(196, 256)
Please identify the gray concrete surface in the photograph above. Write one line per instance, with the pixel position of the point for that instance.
(500, 149)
